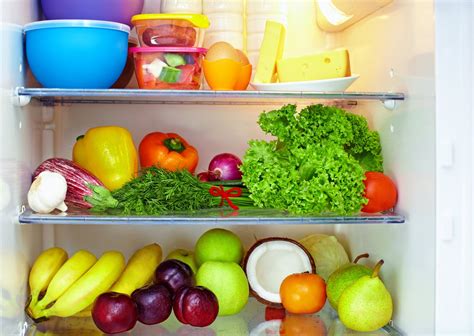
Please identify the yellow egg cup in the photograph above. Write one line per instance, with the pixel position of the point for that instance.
(222, 74)
(244, 78)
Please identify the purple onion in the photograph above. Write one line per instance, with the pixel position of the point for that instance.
(224, 167)
(203, 176)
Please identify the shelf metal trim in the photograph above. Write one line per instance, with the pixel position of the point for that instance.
(227, 218)
(134, 96)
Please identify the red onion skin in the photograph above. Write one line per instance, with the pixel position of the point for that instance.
(225, 167)
(203, 177)
(76, 179)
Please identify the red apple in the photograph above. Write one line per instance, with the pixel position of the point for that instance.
(196, 306)
(154, 303)
(114, 312)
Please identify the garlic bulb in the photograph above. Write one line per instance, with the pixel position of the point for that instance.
(47, 192)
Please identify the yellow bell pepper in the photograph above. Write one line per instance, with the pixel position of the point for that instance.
(109, 153)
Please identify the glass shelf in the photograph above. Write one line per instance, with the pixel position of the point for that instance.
(250, 321)
(219, 216)
(132, 96)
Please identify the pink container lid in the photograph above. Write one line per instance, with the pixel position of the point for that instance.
(167, 50)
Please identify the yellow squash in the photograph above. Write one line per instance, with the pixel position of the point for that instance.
(109, 153)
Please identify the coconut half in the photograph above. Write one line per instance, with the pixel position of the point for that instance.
(269, 261)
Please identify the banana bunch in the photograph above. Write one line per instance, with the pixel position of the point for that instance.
(138, 273)
(65, 287)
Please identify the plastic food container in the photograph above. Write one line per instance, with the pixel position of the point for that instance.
(76, 54)
(170, 30)
(106, 10)
(171, 68)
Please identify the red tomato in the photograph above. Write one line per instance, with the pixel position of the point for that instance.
(274, 313)
(380, 191)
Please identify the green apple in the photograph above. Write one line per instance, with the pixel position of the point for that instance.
(218, 245)
(185, 256)
(228, 282)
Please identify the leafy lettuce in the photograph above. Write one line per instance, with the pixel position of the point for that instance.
(317, 162)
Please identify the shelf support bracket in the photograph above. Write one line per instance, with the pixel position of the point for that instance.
(389, 104)
(18, 100)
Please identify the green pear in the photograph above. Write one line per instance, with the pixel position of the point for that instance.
(366, 305)
(344, 277)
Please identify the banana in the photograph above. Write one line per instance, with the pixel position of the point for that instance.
(67, 275)
(140, 269)
(138, 272)
(97, 280)
(43, 270)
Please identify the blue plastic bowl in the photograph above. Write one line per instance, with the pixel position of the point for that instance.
(76, 54)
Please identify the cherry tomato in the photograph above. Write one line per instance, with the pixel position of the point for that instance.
(303, 293)
(380, 191)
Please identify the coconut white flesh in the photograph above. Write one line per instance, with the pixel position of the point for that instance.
(270, 263)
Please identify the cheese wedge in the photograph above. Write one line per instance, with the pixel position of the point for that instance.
(271, 52)
(325, 65)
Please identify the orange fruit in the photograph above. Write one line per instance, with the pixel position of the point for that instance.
(303, 293)
(299, 325)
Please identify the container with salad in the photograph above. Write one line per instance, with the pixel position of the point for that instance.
(172, 68)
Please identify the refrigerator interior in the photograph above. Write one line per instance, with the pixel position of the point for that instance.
(393, 50)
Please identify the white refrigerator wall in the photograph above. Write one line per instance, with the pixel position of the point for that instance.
(393, 50)
(455, 155)
(20, 151)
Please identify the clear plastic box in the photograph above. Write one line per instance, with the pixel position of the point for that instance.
(170, 30)
(170, 68)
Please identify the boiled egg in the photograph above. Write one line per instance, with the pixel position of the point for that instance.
(222, 50)
(243, 58)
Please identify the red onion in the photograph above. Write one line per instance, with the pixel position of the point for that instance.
(203, 176)
(224, 167)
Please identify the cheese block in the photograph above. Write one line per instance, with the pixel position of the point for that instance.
(271, 52)
(325, 65)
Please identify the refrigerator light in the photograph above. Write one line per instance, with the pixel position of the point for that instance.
(337, 15)
(333, 14)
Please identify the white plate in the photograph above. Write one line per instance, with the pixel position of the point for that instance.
(324, 85)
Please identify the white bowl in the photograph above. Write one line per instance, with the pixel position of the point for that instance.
(324, 85)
